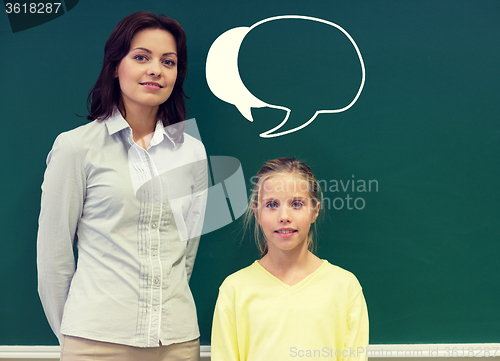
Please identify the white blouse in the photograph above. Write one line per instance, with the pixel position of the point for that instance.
(137, 216)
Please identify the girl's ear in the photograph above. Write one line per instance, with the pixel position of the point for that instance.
(316, 212)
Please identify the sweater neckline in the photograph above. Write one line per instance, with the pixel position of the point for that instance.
(296, 286)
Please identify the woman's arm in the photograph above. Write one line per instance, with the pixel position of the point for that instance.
(196, 213)
(63, 194)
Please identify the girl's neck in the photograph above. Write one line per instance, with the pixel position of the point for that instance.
(290, 267)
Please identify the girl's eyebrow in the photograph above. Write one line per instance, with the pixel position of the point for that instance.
(150, 52)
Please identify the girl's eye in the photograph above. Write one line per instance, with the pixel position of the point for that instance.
(297, 204)
(272, 205)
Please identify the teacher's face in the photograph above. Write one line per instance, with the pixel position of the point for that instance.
(148, 72)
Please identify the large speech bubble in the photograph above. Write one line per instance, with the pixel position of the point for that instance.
(224, 80)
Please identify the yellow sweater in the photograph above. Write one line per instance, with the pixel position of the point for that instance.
(260, 318)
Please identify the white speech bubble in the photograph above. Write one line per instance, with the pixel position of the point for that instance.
(224, 79)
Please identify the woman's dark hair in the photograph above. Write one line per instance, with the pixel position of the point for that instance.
(105, 95)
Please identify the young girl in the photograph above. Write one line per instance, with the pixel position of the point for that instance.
(131, 187)
(289, 304)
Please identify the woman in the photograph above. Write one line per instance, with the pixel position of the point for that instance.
(131, 188)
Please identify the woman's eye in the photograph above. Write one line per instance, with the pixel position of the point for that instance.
(140, 57)
(169, 63)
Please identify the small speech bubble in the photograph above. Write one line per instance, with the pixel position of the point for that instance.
(224, 80)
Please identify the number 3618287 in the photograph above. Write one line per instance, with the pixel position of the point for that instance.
(32, 8)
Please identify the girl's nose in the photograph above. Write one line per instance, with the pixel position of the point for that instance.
(284, 216)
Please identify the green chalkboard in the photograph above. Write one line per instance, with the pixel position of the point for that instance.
(410, 171)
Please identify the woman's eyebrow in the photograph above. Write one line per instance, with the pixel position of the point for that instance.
(150, 52)
(143, 49)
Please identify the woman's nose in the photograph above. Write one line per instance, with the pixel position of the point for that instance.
(154, 69)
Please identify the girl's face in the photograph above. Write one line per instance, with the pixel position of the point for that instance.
(148, 72)
(285, 212)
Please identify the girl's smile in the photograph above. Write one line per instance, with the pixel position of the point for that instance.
(286, 232)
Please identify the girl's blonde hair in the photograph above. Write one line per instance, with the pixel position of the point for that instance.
(275, 167)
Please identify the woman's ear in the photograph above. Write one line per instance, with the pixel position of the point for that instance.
(116, 69)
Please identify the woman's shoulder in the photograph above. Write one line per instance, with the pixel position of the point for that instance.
(81, 136)
(195, 145)
(73, 145)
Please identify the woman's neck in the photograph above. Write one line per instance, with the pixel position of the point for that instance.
(142, 121)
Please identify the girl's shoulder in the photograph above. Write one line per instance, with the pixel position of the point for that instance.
(339, 276)
(243, 276)
(328, 280)
(245, 280)
(254, 274)
(339, 271)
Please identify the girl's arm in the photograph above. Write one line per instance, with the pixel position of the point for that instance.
(224, 337)
(356, 341)
(63, 193)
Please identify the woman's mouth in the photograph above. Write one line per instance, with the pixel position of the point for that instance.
(151, 86)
